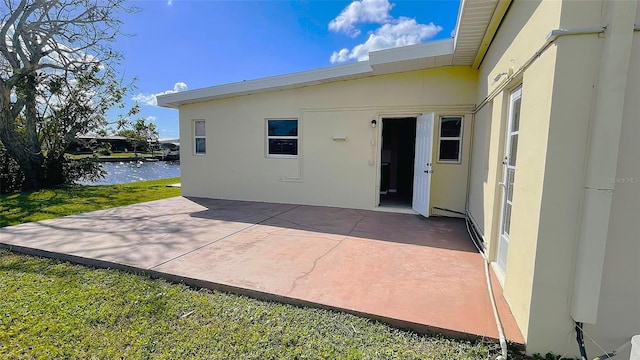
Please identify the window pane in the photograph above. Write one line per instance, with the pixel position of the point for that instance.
(201, 146)
(513, 150)
(283, 146)
(450, 127)
(200, 128)
(283, 127)
(506, 220)
(449, 150)
(510, 179)
(515, 124)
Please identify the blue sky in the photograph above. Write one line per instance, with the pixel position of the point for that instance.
(185, 44)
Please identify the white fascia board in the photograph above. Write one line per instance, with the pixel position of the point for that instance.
(458, 22)
(400, 59)
(273, 83)
(409, 54)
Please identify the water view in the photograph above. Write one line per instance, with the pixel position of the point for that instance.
(131, 171)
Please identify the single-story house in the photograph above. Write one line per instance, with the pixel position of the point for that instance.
(170, 149)
(527, 122)
(89, 143)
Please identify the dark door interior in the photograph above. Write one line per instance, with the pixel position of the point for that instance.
(397, 157)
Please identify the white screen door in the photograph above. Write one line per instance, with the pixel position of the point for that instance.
(422, 165)
(508, 176)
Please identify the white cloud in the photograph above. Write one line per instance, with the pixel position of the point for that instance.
(401, 32)
(361, 11)
(150, 99)
(169, 2)
(340, 56)
(151, 118)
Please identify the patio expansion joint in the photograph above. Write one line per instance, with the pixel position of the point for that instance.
(222, 238)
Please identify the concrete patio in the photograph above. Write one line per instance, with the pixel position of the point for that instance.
(409, 271)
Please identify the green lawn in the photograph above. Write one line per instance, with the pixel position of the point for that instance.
(52, 203)
(52, 309)
(131, 154)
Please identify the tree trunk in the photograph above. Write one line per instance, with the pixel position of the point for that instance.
(33, 175)
(30, 161)
(26, 153)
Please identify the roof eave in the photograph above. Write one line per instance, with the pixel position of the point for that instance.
(466, 51)
(492, 29)
(477, 24)
(414, 57)
(273, 83)
(409, 58)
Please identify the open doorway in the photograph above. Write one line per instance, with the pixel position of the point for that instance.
(397, 161)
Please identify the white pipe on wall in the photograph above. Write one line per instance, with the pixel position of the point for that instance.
(601, 160)
(550, 39)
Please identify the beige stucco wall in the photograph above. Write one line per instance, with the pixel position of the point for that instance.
(327, 172)
(558, 97)
(521, 34)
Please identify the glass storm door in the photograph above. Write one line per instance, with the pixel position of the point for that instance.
(508, 176)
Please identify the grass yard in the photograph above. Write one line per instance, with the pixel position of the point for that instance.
(52, 309)
(52, 203)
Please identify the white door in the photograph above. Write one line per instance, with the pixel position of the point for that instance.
(422, 165)
(508, 176)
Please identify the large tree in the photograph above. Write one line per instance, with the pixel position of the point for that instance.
(57, 80)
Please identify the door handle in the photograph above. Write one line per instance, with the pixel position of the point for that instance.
(502, 184)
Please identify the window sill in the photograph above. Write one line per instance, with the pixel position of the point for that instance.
(454, 162)
(282, 156)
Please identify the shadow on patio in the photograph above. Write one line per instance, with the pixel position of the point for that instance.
(439, 232)
(412, 272)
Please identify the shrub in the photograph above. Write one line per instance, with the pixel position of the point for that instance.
(11, 177)
(105, 149)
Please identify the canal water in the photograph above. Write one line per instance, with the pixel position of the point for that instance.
(131, 171)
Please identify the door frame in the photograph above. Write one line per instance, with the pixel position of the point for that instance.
(377, 148)
(514, 95)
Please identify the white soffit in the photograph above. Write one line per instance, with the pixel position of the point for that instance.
(473, 22)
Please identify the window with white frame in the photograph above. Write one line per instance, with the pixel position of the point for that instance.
(199, 138)
(450, 146)
(282, 138)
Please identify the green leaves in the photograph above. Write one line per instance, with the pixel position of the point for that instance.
(57, 81)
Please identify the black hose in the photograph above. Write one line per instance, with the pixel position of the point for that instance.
(580, 340)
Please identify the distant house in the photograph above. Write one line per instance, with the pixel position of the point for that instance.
(170, 149)
(527, 122)
(85, 144)
(89, 143)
